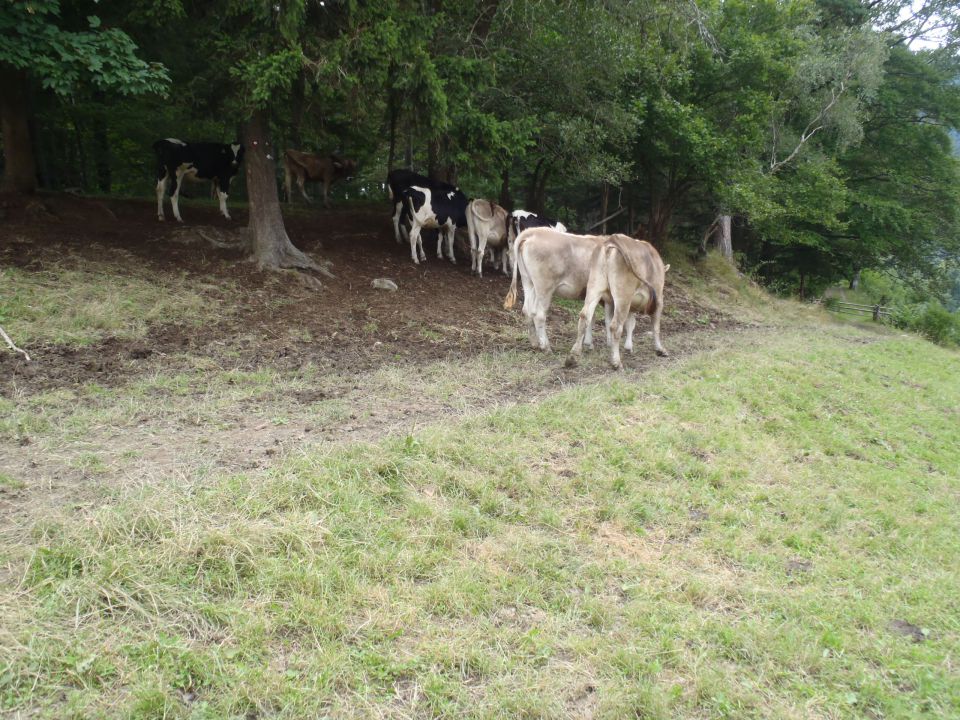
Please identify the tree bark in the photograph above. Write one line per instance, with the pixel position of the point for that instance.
(506, 200)
(101, 144)
(725, 236)
(20, 174)
(661, 211)
(534, 184)
(855, 280)
(604, 203)
(271, 246)
(540, 202)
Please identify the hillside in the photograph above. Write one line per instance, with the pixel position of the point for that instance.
(225, 494)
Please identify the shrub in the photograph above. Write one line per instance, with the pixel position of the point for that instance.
(931, 320)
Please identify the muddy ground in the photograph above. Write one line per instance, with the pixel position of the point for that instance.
(345, 359)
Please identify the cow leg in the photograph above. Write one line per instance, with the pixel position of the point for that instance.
(175, 196)
(161, 191)
(222, 194)
(656, 328)
(584, 321)
(621, 311)
(451, 231)
(481, 252)
(440, 232)
(415, 244)
(631, 324)
(397, 211)
(607, 319)
(529, 302)
(541, 306)
(301, 183)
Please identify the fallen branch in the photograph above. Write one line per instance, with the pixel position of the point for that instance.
(12, 346)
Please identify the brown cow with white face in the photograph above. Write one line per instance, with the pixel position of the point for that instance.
(307, 167)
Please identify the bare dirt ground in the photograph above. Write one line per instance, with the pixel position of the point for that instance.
(347, 363)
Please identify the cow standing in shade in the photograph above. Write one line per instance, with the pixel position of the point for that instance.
(179, 161)
(307, 167)
(487, 226)
(434, 206)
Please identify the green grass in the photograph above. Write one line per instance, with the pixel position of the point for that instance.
(731, 536)
(81, 307)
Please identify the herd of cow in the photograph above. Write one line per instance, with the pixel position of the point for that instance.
(623, 273)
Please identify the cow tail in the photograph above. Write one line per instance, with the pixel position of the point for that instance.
(511, 298)
(629, 260)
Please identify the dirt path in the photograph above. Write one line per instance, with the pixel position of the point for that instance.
(272, 368)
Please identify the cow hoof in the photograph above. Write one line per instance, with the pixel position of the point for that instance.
(571, 361)
(617, 366)
(588, 345)
(663, 353)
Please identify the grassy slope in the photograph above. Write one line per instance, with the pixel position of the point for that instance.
(730, 536)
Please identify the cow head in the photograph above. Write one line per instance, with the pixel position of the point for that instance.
(343, 167)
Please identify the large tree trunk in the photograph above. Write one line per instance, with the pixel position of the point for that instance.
(20, 174)
(272, 248)
(661, 211)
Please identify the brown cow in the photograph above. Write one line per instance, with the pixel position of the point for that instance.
(306, 167)
(628, 273)
(487, 225)
(550, 263)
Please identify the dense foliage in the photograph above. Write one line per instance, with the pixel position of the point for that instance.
(819, 126)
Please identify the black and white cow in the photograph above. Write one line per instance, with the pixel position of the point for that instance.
(397, 181)
(178, 161)
(521, 220)
(436, 206)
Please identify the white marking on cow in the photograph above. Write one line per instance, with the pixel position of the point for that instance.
(450, 195)
(176, 142)
(223, 204)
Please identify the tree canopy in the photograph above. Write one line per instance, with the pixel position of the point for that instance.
(821, 127)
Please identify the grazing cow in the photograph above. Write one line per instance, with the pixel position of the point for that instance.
(434, 206)
(307, 167)
(629, 274)
(486, 224)
(180, 161)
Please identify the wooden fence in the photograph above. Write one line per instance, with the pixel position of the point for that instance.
(878, 312)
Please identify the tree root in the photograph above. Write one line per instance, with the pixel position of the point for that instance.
(12, 346)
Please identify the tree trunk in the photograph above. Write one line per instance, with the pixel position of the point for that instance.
(271, 247)
(604, 204)
(101, 144)
(298, 107)
(660, 214)
(540, 202)
(725, 236)
(506, 201)
(534, 184)
(20, 173)
(393, 111)
(801, 285)
(855, 280)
